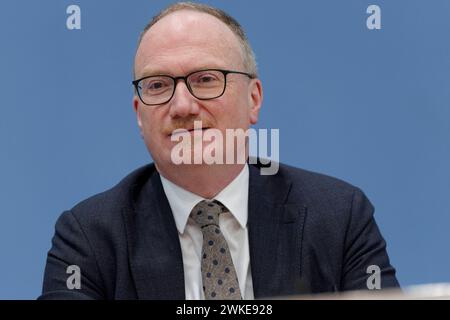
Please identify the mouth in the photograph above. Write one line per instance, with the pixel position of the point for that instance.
(198, 129)
(191, 130)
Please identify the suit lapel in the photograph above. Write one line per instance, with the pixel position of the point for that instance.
(275, 235)
(275, 239)
(154, 249)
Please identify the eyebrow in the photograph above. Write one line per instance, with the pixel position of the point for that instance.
(152, 72)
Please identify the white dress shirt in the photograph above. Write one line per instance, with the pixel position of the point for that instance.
(233, 226)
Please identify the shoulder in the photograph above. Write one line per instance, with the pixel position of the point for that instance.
(325, 196)
(321, 193)
(314, 182)
(109, 204)
(306, 184)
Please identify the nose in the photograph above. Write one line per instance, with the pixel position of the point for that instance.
(182, 104)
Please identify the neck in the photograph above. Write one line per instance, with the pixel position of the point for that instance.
(204, 180)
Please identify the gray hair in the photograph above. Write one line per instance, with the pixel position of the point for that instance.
(248, 55)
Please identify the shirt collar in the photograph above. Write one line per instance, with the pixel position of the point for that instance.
(234, 196)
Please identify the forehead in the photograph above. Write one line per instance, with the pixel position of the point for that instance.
(185, 41)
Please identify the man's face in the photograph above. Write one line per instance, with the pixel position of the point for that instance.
(180, 43)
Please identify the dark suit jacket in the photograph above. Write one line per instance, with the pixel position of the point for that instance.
(308, 233)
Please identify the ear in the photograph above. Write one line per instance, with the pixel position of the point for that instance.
(138, 114)
(255, 99)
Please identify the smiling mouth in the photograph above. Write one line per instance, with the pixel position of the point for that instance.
(198, 129)
(180, 130)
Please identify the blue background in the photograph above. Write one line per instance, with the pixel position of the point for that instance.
(369, 107)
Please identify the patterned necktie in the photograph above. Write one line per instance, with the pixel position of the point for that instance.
(219, 276)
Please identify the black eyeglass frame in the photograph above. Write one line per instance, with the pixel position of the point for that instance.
(175, 80)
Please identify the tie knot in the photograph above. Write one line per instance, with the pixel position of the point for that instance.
(207, 212)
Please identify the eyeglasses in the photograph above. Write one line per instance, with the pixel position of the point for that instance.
(203, 84)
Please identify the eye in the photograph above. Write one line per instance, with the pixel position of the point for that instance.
(156, 85)
(205, 78)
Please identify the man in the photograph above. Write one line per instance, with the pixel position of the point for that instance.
(210, 231)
